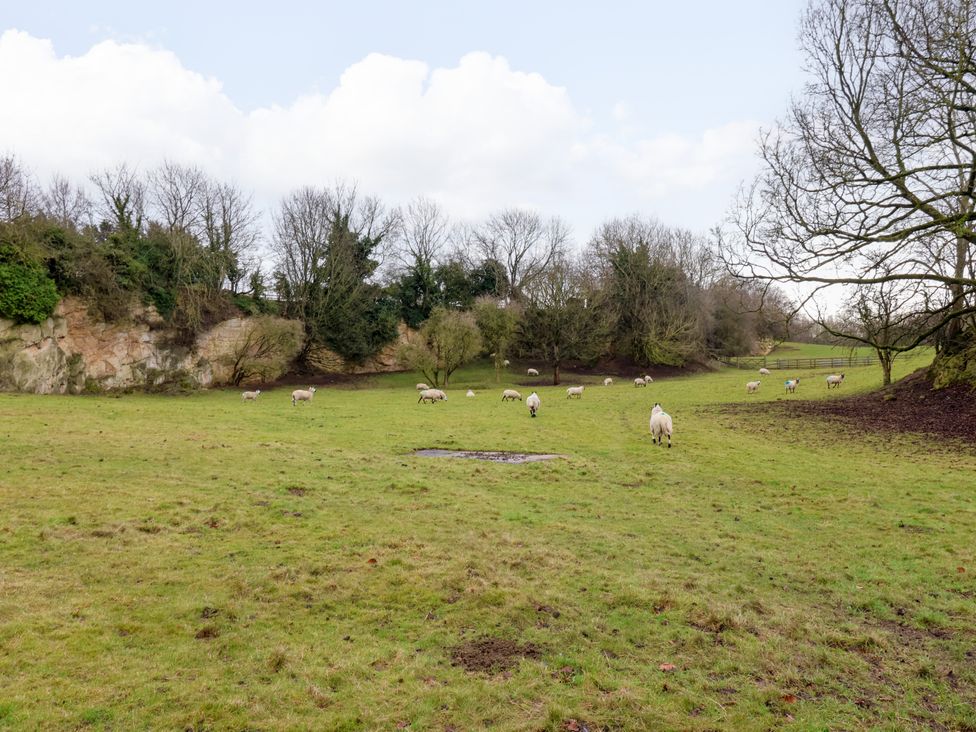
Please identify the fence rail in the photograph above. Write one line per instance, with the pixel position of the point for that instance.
(831, 362)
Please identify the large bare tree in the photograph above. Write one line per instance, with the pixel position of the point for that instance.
(66, 203)
(228, 225)
(522, 244)
(122, 197)
(19, 196)
(176, 192)
(871, 178)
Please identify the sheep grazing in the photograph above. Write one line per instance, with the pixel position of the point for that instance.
(764, 372)
(574, 391)
(532, 372)
(250, 396)
(661, 424)
(533, 403)
(752, 387)
(507, 363)
(469, 394)
(422, 386)
(835, 380)
(791, 385)
(608, 381)
(511, 395)
(432, 395)
(639, 381)
(648, 380)
(302, 395)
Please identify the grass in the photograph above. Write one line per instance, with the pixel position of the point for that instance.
(199, 563)
(821, 350)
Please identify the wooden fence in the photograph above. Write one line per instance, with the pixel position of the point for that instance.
(754, 363)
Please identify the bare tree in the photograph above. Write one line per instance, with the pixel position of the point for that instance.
(871, 178)
(522, 245)
(423, 234)
(122, 197)
(228, 225)
(176, 191)
(19, 196)
(67, 204)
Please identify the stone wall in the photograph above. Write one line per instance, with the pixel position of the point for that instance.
(72, 352)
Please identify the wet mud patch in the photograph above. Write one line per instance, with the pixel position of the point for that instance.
(494, 456)
(492, 655)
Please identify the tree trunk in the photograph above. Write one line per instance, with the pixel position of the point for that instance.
(886, 359)
(954, 342)
(555, 374)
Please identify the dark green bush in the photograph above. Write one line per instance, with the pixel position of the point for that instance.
(27, 295)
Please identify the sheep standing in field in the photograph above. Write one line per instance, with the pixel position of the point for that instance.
(533, 403)
(507, 363)
(511, 395)
(432, 395)
(764, 371)
(469, 394)
(608, 381)
(639, 381)
(422, 386)
(752, 387)
(791, 385)
(648, 380)
(835, 380)
(302, 395)
(661, 424)
(250, 396)
(532, 372)
(574, 391)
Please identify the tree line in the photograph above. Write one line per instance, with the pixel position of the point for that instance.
(352, 269)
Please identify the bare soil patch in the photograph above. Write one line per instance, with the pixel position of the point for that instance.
(495, 456)
(492, 655)
(908, 406)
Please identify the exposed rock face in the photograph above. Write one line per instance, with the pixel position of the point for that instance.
(70, 352)
(331, 362)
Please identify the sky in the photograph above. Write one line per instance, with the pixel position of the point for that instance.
(580, 110)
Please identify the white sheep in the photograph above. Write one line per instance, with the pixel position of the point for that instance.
(250, 396)
(608, 381)
(532, 372)
(302, 395)
(764, 371)
(469, 394)
(791, 385)
(533, 403)
(506, 363)
(422, 386)
(648, 380)
(511, 394)
(661, 424)
(639, 381)
(432, 395)
(835, 380)
(752, 387)
(574, 391)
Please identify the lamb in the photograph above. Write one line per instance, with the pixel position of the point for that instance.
(422, 386)
(639, 381)
(661, 425)
(835, 380)
(574, 391)
(532, 372)
(432, 395)
(511, 394)
(250, 396)
(791, 385)
(764, 371)
(752, 387)
(469, 394)
(533, 403)
(608, 381)
(302, 395)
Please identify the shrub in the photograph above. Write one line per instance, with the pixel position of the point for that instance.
(27, 295)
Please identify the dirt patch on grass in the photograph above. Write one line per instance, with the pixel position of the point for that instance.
(492, 655)
(908, 406)
(495, 456)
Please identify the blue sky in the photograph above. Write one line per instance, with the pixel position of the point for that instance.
(582, 110)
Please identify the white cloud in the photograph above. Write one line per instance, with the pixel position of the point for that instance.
(477, 136)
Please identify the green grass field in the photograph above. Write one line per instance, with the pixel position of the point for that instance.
(198, 563)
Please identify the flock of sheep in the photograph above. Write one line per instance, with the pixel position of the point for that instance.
(661, 424)
(833, 382)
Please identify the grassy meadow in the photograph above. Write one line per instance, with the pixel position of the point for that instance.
(198, 563)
